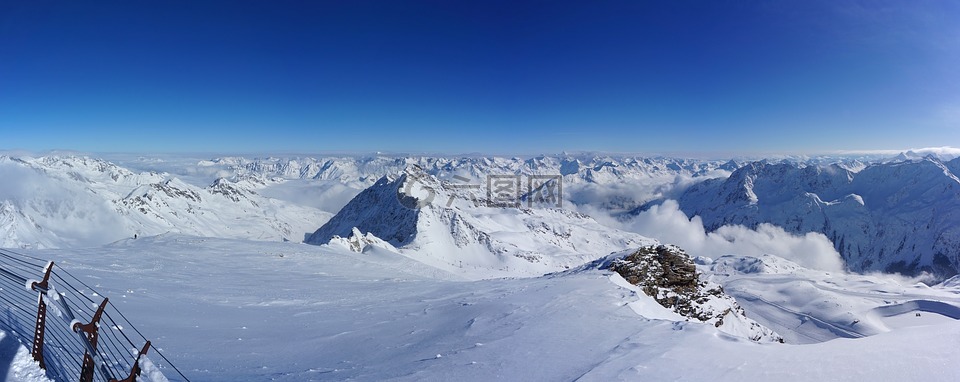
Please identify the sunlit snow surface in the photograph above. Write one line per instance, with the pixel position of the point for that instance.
(229, 310)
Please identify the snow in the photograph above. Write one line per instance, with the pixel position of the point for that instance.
(809, 306)
(150, 372)
(473, 241)
(912, 319)
(645, 305)
(244, 312)
(466, 292)
(56, 202)
(16, 363)
(898, 216)
(952, 282)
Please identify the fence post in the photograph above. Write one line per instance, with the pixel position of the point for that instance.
(135, 369)
(86, 371)
(41, 287)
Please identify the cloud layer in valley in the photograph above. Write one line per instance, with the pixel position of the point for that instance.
(667, 223)
(66, 214)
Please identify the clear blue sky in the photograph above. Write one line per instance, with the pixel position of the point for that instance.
(479, 76)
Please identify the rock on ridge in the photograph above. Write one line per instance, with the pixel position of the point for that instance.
(668, 274)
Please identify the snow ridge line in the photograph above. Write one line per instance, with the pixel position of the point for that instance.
(61, 315)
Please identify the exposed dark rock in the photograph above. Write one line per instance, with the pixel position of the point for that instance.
(668, 274)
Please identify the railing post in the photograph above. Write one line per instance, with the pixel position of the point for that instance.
(41, 287)
(86, 371)
(135, 369)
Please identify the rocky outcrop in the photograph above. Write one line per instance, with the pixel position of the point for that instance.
(668, 274)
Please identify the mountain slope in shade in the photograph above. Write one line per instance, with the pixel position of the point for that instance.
(894, 217)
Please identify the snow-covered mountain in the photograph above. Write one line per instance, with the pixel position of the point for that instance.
(348, 169)
(415, 214)
(421, 276)
(890, 214)
(71, 201)
(897, 216)
(600, 181)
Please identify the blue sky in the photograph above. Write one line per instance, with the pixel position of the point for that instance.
(486, 76)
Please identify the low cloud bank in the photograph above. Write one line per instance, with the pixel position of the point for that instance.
(612, 197)
(325, 195)
(67, 213)
(667, 223)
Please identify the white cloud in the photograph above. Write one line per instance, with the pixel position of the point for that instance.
(667, 223)
(325, 195)
(67, 211)
(598, 199)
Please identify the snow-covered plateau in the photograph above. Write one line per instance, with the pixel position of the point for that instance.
(407, 268)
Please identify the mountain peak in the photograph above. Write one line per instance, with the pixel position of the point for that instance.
(450, 228)
(383, 209)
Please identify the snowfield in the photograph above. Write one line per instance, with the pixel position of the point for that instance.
(233, 310)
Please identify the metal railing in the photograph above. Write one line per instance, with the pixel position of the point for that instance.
(73, 335)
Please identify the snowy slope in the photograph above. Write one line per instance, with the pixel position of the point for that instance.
(810, 306)
(224, 209)
(668, 274)
(294, 312)
(894, 216)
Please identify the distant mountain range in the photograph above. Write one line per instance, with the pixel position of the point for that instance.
(899, 214)
(73, 201)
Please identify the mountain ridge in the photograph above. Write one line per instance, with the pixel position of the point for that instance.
(899, 217)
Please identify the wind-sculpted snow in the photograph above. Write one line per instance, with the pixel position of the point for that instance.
(809, 306)
(895, 217)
